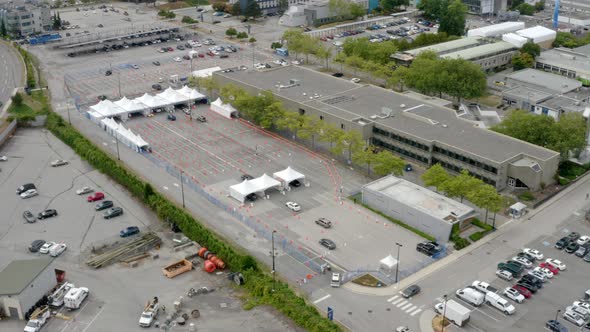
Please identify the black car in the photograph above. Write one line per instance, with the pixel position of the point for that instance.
(531, 279)
(180, 47)
(562, 243)
(573, 236)
(25, 187)
(108, 73)
(157, 63)
(428, 248)
(252, 197)
(223, 56)
(246, 177)
(555, 326)
(36, 245)
(171, 117)
(216, 22)
(528, 286)
(103, 205)
(526, 256)
(29, 217)
(295, 183)
(47, 214)
(572, 247)
(337, 74)
(102, 97)
(157, 87)
(113, 212)
(129, 231)
(411, 291)
(328, 243)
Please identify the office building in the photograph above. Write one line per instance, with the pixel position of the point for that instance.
(23, 19)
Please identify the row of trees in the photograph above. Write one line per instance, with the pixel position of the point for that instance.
(450, 13)
(433, 76)
(569, 40)
(389, 6)
(464, 186)
(565, 135)
(527, 9)
(268, 112)
(232, 32)
(525, 58)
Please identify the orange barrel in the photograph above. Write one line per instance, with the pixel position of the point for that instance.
(220, 264)
(209, 266)
(209, 254)
(202, 251)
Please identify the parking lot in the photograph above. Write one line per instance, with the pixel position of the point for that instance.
(117, 293)
(557, 293)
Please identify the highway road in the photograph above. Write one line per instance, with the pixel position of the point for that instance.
(12, 71)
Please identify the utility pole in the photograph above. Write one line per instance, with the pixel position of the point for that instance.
(273, 260)
(68, 107)
(117, 140)
(182, 187)
(442, 322)
(399, 245)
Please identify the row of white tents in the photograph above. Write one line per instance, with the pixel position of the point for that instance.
(166, 100)
(259, 185)
(124, 135)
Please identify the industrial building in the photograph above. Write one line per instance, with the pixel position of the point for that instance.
(411, 127)
(417, 206)
(544, 93)
(311, 13)
(23, 19)
(23, 283)
(573, 63)
(485, 7)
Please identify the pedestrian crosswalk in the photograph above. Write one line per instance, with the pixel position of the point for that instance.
(404, 305)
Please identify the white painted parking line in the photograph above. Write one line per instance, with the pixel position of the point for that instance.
(406, 306)
(93, 319)
(402, 303)
(415, 312)
(397, 301)
(321, 299)
(165, 188)
(176, 184)
(474, 327)
(411, 308)
(488, 315)
(393, 298)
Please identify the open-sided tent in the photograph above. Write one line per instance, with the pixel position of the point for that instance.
(124, 135)
(107, 109)
(265, 182)
(153, 102)
(132, 105)
(191, 94)
(288, 175)
(241, 190)
(223, 109)
(173, 97)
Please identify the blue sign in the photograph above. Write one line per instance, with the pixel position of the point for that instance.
(330, 313)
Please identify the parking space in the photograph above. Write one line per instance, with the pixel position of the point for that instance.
(117, 292)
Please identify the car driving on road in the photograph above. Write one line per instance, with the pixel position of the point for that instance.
(58, 162)
(293, 206)
(328, 243)
(29, 217)
(47, 214)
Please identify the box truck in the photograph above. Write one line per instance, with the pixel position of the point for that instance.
(454, 312)
(75, 297)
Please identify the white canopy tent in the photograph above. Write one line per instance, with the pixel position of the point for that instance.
(173, 97)
(153, 102)
(107, 109)
(388, 263)
(191, 94)
(124, 135)
(225, 110)
(288, 175)
(241, 190)
(265, 182)
(132, 105)
(207, 72)
(517, 210)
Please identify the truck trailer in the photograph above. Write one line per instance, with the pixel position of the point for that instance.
(454, 312)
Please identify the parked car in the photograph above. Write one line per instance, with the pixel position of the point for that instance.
(355, 80)
(533, 252)
(550, 267)
(29, 217)
(583, 240)
(29, 193)
(201, 118)
(562, 243)
(171, 117)
(134, 66)
(513, 294)
(523, 290)
(532, 279)
(546, 272)
(47, 214)
(411, 291)
(36, 245)
(573, 236)
(157, 87)
(246, 177)
(528, 286)
(96, 197)
(428, 248)
(529, 257)
(131, 230)
(45, 248)
(57, 249)
(539, 275)
(84, 190)
(555, 326)
(113, 212)
(58, 162)
(103, 205)
(573, 317)
(483, 287)
(337, 74)
(293, 206)
(572, 247)
(108, 73)
(525, 262)
(325, 223)
(503, 274)
(328, 243)
(557, 263)
(25, 187)
(295, 183)
(582, 250)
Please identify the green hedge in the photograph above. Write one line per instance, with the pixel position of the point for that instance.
(476, 236)
(31, 81)
(459, 242)
(482, 225)
(527, 196)
(258, 284)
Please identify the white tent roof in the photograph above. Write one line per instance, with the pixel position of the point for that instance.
(288, 175)
(518, 206)
(123, 134)
(131, 105)
(152, 101)
(107, 108)
(264, 182)
(223, 109)
(172, 96)
(241, 190)
(388, 262)
(192, 94)
(207, 72)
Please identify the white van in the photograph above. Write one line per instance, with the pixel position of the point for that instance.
(335, 282)
(500, 303)
(470, 295)
(75, 297)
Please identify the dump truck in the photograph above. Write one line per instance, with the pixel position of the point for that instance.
(454, 312)
(56, 299)
(38, 319)
(150, 313)
(177, 268)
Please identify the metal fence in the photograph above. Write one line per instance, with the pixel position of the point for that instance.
(298, 252)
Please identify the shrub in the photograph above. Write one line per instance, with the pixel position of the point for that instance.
(17, 99)
(527, 196)
(482, 225)
(476, 236)
(189, 20)
(564, 181)
(276, 45)
(460, 242)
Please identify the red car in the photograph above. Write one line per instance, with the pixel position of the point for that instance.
(170, 49)
(210, 53)
(95, 197)
(525, 292)
(550, 267)
(201, 55)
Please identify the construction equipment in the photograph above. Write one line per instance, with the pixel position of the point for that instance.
(177, 268)
(150, 313)
(38, 319)
(56, 299)
(124, 251)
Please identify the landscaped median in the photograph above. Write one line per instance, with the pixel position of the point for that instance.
(259, 284)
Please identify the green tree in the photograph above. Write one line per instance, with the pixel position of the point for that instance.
(329, 133)
(531, 48)
(568, 134)
(355, 62)
(516, 3)
(275, 45)
(283, 5)
(58, 3)
(17, 99)
(252, 40)
(386, 163)
(71, 2)
(236, 9)
(433, 9)
(356, 10)
(392, 5)
(540, 6)
(424, 74)
(452, 21)
(207, 83)
(310, 128)
(324, 53)
(272, 113)
(526, 9)
(486, 197)
(252, 9)
(188, 20)
(242, 35)
(290, 121)
(526, 126)
(2, 28)
(350, 141)
(218, 6)
(461, 185)
(339, 8)
(231, 32)
(522, 60)
(398, 78)
(565, 39)
(365, 156)
(464, 79)
(435, 177)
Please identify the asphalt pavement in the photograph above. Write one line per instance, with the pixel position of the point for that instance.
(12, 72)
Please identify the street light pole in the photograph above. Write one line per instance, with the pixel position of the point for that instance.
(557, 314)
(119, 76)
(273, 259)
(399, 245)
(182, 187)
(68, 107)
(117, 140)
(442, 322)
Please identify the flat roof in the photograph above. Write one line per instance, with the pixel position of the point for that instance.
(576, 60)
(525, 92)
(438, 206)
(447, 46)
(480, 51)
(414, 117)
(550, 81)
(19, 274)
(564, 103)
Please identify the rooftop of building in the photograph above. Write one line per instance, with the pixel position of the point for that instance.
(565, 104)
(409, 115)
(577, 59)
(447, 46)
(18, 274)
(532, 94)
(549, 81)
(423, 199)
(481, 51)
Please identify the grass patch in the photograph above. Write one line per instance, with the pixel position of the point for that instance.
(526, 196)
(490, 100)
(357, 198)
(183, 4)
(32, 106)
(368, 280)
(437, 323)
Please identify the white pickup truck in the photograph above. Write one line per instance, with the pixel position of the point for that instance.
(38, 319)
(150, 313)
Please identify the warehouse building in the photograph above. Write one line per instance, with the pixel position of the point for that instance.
(408, 126)
(23, 283)
(417, 206)
(572, 63)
